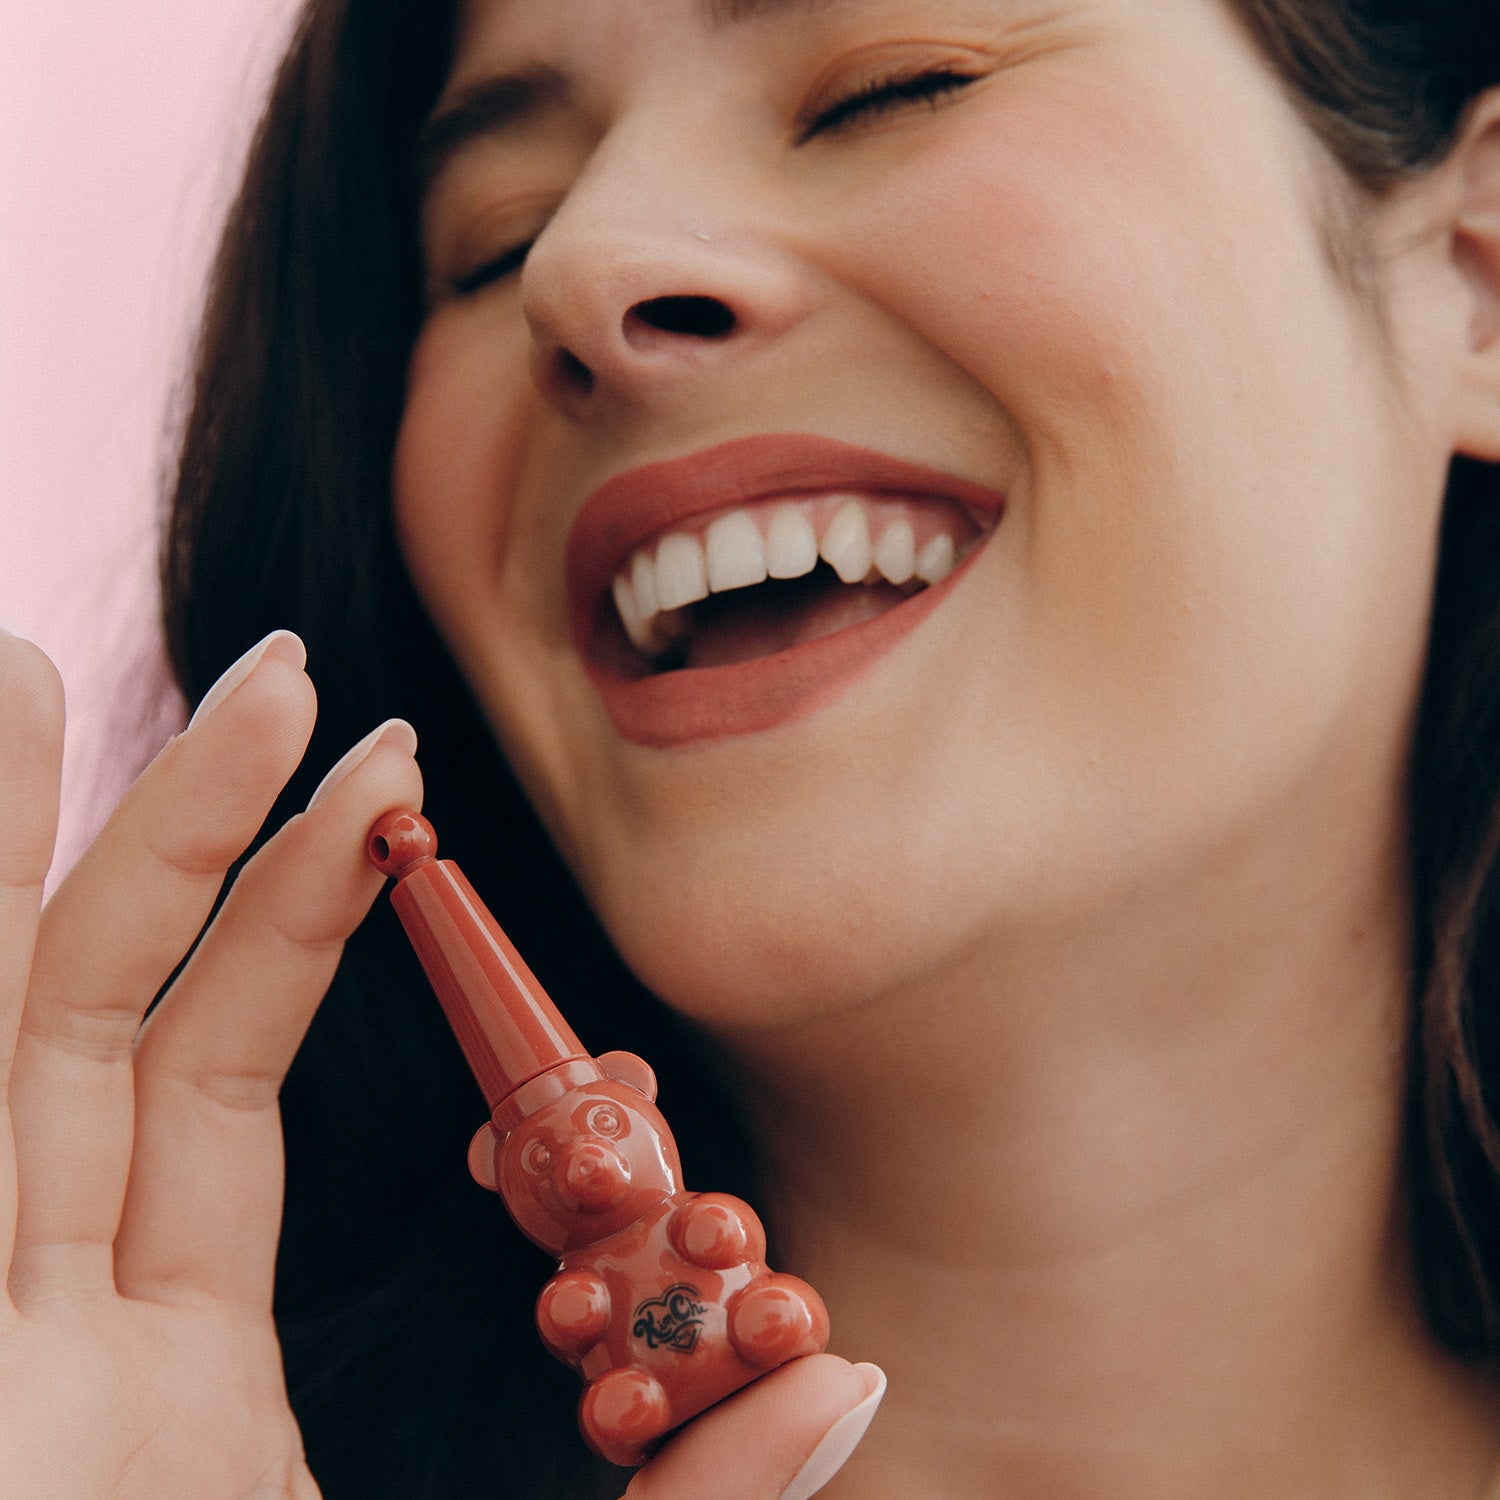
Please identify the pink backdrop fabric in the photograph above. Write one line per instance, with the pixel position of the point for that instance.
(123, 130)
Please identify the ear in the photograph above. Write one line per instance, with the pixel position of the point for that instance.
(626, 1067)
(482, 1150)
(1475, 161)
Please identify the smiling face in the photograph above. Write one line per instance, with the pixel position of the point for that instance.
(1040, 292)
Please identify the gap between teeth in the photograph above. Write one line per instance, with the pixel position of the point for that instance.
(734, 553)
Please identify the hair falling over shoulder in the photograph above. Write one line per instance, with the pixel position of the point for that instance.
(280, 516)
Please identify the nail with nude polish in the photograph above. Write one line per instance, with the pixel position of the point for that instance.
(282, 644)
(839, 1442)
(395, 732)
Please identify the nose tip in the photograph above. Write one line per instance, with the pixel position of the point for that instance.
(625, 305)
(592, 1177)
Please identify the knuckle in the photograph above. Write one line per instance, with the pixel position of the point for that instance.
(281, 893)
(193, 860)
(86, 1029)
(179, 1077)
(238, 1091)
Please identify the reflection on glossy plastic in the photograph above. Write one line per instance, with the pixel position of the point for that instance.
(662, 1300)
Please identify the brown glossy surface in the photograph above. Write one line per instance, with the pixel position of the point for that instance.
(509, 1029)
(662, 1301)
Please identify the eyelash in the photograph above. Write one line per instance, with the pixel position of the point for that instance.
(501, 266)
(878, 98)
(888, 94)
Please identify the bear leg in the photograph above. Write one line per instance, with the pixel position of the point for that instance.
(777, 1318)
(623, 1413)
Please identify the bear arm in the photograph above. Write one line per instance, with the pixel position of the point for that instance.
(717, 1231)
(572, 1312)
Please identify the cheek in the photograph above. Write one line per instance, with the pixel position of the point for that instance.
(467, 450)
(1205, 442)
(452, 468)
(473, 456)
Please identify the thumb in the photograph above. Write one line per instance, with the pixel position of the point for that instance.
(781, 1438)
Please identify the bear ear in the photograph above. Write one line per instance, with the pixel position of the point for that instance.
(482, 1152)
(626, 1067)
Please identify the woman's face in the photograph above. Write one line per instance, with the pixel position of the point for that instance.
(1049, 280)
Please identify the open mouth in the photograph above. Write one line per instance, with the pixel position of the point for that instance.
(732, 589)
(756, 580)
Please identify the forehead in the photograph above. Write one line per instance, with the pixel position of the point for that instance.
(711, 15)
(609, 29)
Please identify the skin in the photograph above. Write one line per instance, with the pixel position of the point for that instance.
(141, 1166)
(1143, 974)
(1105, 862)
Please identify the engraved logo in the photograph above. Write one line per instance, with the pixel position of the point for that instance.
(671, 1321)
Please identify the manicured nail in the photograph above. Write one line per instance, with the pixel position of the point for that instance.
(839, 1441)
(280, 643)
(395, 732)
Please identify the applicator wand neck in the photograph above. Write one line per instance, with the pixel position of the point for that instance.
(508, 1028)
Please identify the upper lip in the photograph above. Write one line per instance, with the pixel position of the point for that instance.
(643, 502)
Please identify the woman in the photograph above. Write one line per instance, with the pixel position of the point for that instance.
(1081, 949)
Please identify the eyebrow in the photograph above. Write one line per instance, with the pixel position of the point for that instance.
(489, 107)
(721, 13)
(493, 106)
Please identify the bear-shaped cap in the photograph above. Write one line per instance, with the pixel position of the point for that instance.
(662, 1301)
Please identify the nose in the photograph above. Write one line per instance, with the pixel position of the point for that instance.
(630, 292)
(591, 1177)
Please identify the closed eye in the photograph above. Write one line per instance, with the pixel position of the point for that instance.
(886, 95)
(503, 265)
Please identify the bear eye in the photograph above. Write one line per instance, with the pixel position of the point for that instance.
(537, 1158)
(604, 1119)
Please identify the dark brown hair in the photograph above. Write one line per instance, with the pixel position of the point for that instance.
(403, 1293)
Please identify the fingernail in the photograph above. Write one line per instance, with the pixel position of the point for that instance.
(395, 732)
(839, 1441)
(280, 643)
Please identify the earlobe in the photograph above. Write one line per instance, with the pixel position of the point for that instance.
(1476, 253)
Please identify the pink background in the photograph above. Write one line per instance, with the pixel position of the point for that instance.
(123, 127)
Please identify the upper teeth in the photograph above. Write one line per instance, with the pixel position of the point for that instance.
(745, 546)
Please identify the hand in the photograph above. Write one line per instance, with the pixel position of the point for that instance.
(141, 1168)
(783, 1437)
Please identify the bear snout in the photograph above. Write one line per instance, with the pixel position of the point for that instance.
(591, 1176)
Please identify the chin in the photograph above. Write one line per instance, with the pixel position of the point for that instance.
(762, 939)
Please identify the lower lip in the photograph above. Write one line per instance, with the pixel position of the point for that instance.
(701, 704)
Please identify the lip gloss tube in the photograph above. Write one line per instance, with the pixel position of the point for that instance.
(662, 1300)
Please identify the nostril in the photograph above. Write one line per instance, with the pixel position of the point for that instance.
(697, 317)
(574, 373)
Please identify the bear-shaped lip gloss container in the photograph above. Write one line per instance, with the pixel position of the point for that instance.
(662, 1299)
